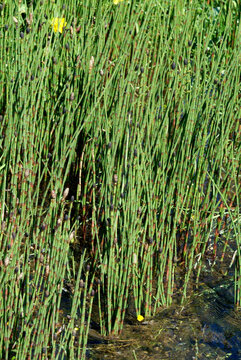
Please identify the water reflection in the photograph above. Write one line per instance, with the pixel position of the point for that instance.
(206, 327)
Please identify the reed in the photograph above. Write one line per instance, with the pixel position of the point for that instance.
(119, 163)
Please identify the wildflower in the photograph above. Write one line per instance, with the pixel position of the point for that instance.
(140, 318)
(58, 24)
(116, 2)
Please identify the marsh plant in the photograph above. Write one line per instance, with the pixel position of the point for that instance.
(119, 163)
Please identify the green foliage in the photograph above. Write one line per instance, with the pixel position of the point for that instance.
(135, 109)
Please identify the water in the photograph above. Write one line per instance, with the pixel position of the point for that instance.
(205, 327)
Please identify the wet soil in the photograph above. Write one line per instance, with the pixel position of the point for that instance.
(206, 326)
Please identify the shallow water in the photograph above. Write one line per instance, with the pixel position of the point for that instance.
(205, 327)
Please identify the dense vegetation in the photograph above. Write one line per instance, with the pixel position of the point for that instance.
(119, 162)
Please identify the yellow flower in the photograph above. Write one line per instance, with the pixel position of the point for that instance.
(58, 24)
(116, 2)
(140, 318)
